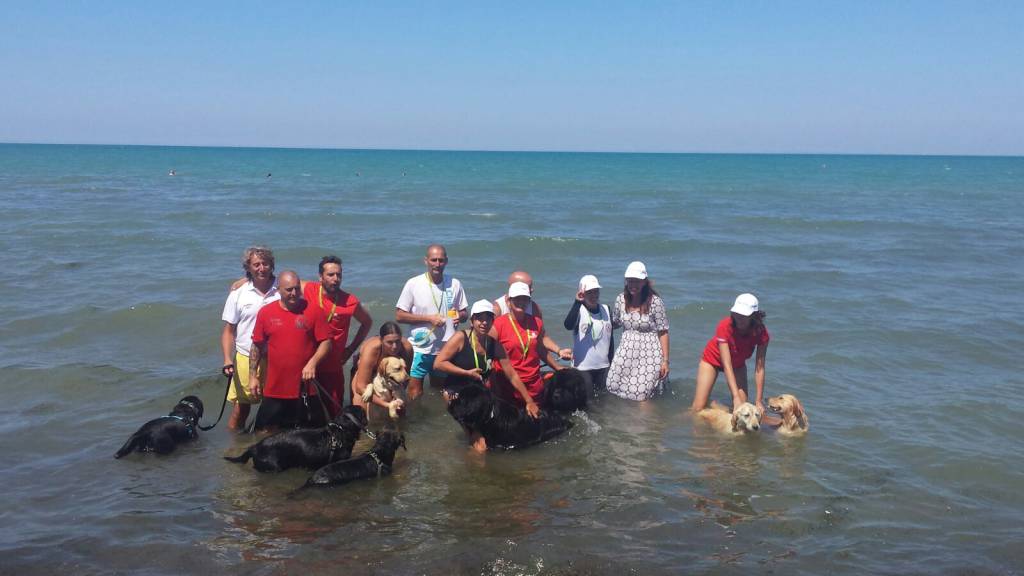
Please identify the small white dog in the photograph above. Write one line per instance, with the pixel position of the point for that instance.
(389, 385)
(744, 419)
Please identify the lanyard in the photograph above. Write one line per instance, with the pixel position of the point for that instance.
(430, 286)
(472, 341)
(515, 327)
(333, 308)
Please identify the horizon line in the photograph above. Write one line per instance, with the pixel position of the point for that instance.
(517, 151)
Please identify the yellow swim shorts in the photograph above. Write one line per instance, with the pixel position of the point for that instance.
(239, 390)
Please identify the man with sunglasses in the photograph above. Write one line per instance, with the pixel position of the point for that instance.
(433, 304)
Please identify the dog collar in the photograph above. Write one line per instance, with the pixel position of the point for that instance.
(380, 465)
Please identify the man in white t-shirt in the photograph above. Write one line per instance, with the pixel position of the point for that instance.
(239, 317)
(433, 304)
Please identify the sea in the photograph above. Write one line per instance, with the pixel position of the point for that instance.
(890, 284)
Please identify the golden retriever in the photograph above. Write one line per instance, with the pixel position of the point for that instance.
(794, 419)
(744, 419)
(389, 385)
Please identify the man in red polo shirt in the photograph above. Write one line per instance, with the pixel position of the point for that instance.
(294, 338)
(338, 308)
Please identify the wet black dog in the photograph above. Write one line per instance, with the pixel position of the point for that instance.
(309, 448)
(502, 424)
(565, 391)
(161, 435)
(374, 463)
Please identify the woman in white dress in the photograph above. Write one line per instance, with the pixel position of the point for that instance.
(640, 367)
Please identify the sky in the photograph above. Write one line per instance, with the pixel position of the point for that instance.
(892, 77)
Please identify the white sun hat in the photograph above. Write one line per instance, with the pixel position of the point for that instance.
(745, 305)
(636, 270)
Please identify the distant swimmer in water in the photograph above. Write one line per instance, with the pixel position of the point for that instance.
(171, 173)
(269, 174)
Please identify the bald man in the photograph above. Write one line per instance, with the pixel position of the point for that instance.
(294, 338)
(434, 304)
(501, 304)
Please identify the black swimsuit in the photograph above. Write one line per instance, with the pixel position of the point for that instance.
(464, 359)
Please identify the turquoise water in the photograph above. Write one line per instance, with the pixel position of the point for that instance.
(890, 285)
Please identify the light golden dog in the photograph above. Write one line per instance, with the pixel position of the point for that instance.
(389, 384)
(746, 418)
(794, 419)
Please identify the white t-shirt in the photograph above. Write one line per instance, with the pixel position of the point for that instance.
(240, 309)
(503, 304)
(421, 296)
(593, 339)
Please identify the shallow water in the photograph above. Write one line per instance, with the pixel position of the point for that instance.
(889, 284)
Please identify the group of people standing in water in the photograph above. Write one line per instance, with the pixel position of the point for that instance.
(285, 341)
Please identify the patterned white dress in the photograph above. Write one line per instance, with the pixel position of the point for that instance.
(634, 371)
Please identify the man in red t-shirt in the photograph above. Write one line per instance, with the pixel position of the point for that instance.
(523, 339)
(338, 308)
(294, 337)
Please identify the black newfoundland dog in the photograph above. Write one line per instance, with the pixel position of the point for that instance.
(309, 448)
(161, 435)
(501, 423)
(565, 391)
(374, 463)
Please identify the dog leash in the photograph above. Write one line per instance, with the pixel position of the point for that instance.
(222, 404)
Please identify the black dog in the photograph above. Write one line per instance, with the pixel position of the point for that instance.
(161, 435)
(309, 448)
(502, 424)
(565, 391)
(374, 463)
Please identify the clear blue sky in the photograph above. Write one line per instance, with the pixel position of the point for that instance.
(718, 76)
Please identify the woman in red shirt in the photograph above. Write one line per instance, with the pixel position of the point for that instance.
(735, 339)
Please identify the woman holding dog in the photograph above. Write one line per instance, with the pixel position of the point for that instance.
(737, 337)
(640, 367)
(466, 357)
(591, 325)
(388, 343)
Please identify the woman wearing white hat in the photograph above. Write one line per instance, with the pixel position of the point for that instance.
(640, 367)
(591, 325)
(736, 338)
(466, 357)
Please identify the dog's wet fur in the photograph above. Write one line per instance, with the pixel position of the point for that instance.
(744, 419)
(162, 435)
(308, 448)
(566, 391)
(374, 463)
(794, 418)
(502, 424)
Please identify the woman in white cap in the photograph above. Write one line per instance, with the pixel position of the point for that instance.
(735, 339)
(591, 325)
(640, 367)
(524, 344)
(466, 357)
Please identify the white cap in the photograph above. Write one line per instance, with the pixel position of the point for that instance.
(746, 304)
(481, 307)
(518, 289)
(636, 270)
(589, 282)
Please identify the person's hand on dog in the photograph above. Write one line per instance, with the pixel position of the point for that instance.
(476, 374)
(532, 409)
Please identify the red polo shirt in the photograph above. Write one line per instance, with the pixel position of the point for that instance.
(291, 339)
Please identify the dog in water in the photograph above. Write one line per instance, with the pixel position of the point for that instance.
(161, 435)
(389, 385)
(374, 463)
(565, 391)
(309, 448)
(794, 418)
(501, 423)
(744, 419)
